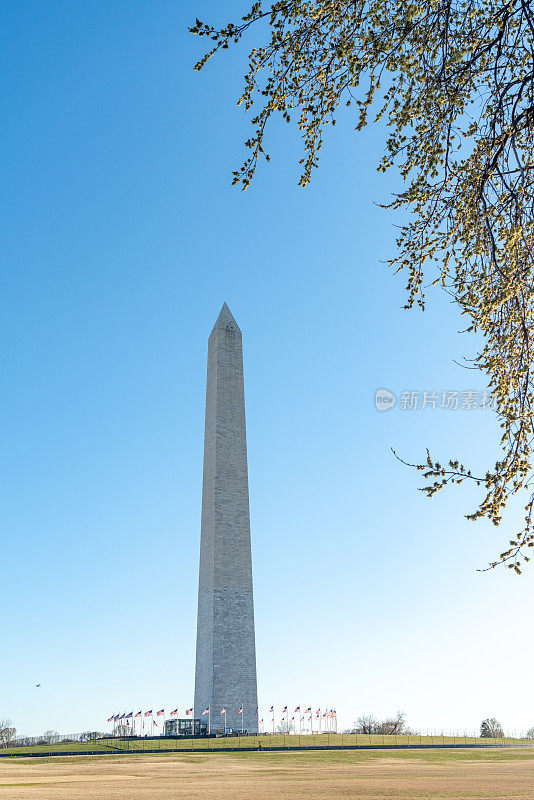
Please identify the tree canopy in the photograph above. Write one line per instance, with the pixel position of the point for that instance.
(453, 81)
(391, 726)
(491, 729)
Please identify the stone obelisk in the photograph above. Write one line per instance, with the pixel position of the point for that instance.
(226, 651)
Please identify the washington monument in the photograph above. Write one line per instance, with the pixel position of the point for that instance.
(226, 652)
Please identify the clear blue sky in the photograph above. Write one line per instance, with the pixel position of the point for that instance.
(121, 239)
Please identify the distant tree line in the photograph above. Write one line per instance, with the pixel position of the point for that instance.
(8, 736)
(53, 737)
(391, 726)
(490, 728)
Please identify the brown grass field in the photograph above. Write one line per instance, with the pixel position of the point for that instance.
(363, 775)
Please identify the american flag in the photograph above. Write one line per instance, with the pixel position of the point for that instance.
(188, 711)
(271, 710)
(284, 709)
(122, 716)
(129, 716)
(223, 710)
(160, 712)
(155, 723)
(308, 710)
(206, 711)
(297, 708)
(116, 717)
(292, 719)
(256, 713)
(174, 713)
(111, 719)
(148, 713)
(240, 710)
(139, 714)
(309, 719)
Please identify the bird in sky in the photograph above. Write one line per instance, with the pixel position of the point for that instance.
(37, 685)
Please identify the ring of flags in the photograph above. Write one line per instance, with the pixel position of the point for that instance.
(329, 716)
(307, 714)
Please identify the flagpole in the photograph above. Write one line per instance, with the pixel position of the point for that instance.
(242, 717)
(209, 719)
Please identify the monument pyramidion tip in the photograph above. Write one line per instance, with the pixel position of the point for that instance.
(226, 319)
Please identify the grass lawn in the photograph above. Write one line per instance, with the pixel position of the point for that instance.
(489, 774)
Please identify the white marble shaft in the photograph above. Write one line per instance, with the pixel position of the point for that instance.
(226, 652)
